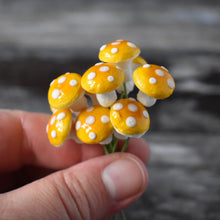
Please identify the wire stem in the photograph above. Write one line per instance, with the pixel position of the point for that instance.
(123, 215)
(105, 149)
(125, 91)
(125, 145)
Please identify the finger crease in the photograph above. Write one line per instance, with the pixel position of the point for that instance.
(64, 203)
(82, 193)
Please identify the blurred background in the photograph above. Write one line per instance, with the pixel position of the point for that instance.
(40, 40)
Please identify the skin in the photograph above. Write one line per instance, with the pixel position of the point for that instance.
(39, 181)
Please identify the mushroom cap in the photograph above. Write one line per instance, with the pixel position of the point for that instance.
(129, 117)
(59, 126)
(93, 124)
(154, 81)
(102, 78)
(118, 51)
(139, 61)
(64, 90)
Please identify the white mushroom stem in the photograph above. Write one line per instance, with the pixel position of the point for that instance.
(126, 67)
(145, 99)
(135, 66)
(79, 104)
(120, 136)
(107, 99)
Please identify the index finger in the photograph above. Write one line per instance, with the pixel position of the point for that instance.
(23, 140)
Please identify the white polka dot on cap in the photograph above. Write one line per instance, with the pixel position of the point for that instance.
(116, 43)
(131, 121)
(91, 76)
(170, 83)
(146, 65)
(90, 120)
(53, 119)
(152, 80)
(145, 113)
(61, 79)
(111, 78)
(56, 93)
(117, 106)
(73, 82)
(100, 63)
(105, 119)
(103, 47)
(114, 50)
(164, 68)
(61, 116)
(78, 125)
(159, 72)
(92, 135)
(53, 134)
(104, 68)
(132, 107)
(131, 44)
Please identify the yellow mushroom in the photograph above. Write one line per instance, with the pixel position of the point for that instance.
(66, 92)
(93, 125)
(103, 79)
(129, 118)
(154, 82)
(59, 127)
(121, 53)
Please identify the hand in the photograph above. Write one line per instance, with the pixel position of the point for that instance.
(74, 181)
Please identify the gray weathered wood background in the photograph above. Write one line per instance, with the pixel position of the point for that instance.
(40, 40)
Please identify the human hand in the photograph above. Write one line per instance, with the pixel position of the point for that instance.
(76, 181)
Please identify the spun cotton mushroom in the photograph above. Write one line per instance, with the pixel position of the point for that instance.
(129, 118)
(121, 53)
(107, 119)
(66, 92)
(154, 82)
(103, 79)
(59, 127)
(93, 125)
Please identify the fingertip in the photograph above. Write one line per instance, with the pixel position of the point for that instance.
(125, 179)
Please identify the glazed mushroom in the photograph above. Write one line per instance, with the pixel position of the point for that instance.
(121, 53)
(66, 92)
(103, 79)
(129, 118)
(93, 125)
(59, 127)
(154, 82)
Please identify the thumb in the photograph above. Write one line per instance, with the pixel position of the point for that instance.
(94, 189)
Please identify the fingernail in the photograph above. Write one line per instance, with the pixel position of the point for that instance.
(124, 178)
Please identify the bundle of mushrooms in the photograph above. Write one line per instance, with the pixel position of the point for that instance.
(95, 107)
